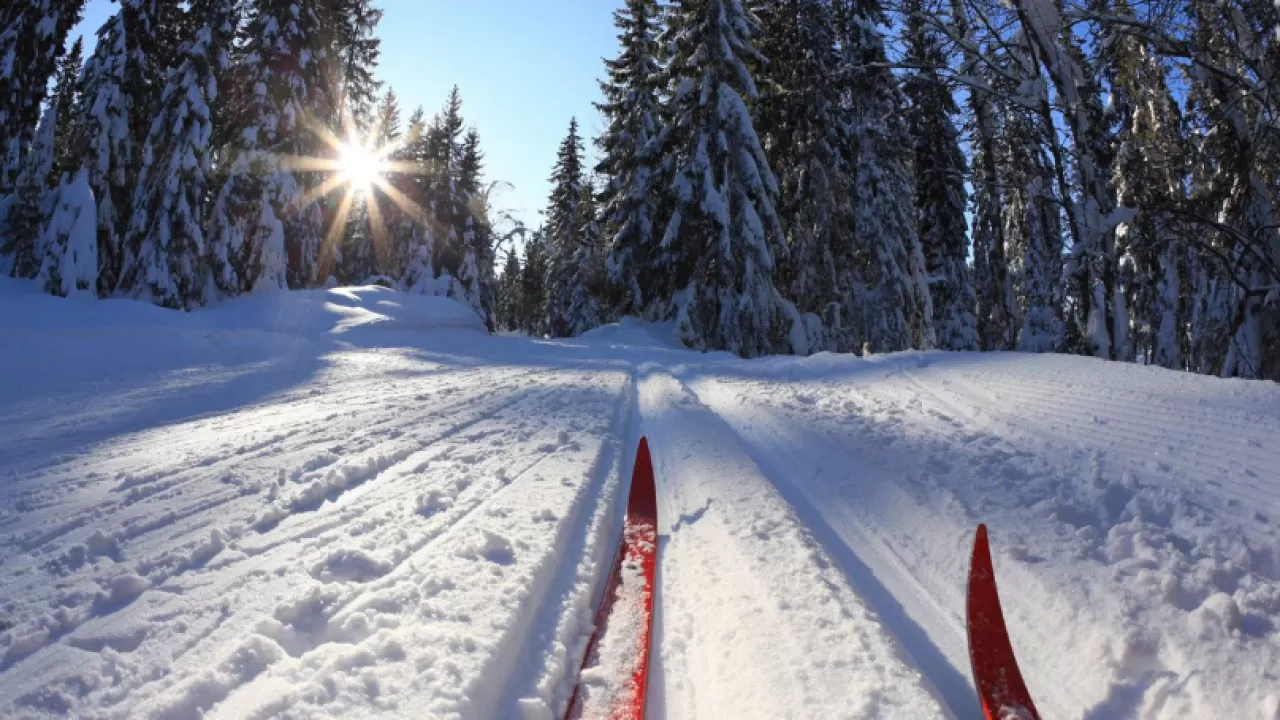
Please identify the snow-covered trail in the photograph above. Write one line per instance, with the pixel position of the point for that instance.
(1134, 520)
(756, 620)
(288, 522)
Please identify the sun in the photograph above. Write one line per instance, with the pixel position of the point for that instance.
(361, 167)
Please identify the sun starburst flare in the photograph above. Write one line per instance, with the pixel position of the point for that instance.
(363, 171)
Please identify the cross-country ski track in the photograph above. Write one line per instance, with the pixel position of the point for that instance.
(380, 517)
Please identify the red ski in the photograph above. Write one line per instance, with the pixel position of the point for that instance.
(1003, 694)
(629, 592)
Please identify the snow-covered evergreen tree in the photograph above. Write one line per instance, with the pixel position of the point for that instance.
(894, 300)
(1025, 291)
(627, 146)
(583, 310)
(720, 235)
(510, 300)
(475, 274)
(533, 288)
(803, 121)
(564, 231)
(70, 240)
(1236, 305)
(356, 48)
(21, 254)
(168, 259)
(386, 126)
(262, 232)
(33, 34)
(120, 82)
(1151, 176)
(940, 170)
(66, 97)
(413, 228)
(1093, 261)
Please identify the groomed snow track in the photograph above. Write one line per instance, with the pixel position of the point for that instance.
(419, 524)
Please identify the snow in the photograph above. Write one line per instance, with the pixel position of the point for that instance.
(355, 503)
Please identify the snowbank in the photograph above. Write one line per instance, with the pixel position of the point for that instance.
(308, 313)
(631, 332)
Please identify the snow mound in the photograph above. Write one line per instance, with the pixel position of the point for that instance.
(632, 332)
(310, 313)
(342, 311)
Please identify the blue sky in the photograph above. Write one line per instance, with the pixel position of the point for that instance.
(524, 68)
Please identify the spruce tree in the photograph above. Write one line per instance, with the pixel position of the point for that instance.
(414, 227)
(809, 153)
(117, 89)
(386, 130)
(940, 171)
(894, 299)
(583, 310)
(169, 261)
(564, 232)
(475, 273)
(21, 252)
(721, 235)
(66, 96)
(631, 111)
(264, 234)
(509, 294)
(354, 60)
(533, 289)
(69, 239)
(443, 150)
(1151, 176)
(33, 35)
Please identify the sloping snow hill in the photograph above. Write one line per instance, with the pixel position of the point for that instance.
(354, 503)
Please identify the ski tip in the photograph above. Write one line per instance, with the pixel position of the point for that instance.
(981, 537)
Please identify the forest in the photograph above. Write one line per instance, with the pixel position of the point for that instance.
(1094, 177)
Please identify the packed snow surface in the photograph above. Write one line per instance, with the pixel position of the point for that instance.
(354, 503)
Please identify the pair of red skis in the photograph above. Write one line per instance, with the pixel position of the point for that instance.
(1001, 690)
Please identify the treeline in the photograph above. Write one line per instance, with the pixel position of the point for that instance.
(776, 176)
(1094, 177)
(194, 155)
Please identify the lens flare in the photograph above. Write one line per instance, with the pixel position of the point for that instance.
(360, 166)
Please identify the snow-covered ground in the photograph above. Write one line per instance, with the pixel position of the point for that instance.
(354, 503)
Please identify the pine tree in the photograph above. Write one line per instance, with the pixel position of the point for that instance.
(354, 59)
(66, 96)
(476, 274)
(564, 232)
(69, 240)
(263, 232)
(170, 263)
(940, 171)
(414, 228)
(1024, 294)
(809, 153)
(33, 35)
(583, 309)
(386, 130)
(894, 299)
(1235, 317)
(21, 252)
(510, 299)
(631, 110)
(1151, 177)
(117, 89)
(721, 233)
(443, 150)
(996, 316)
(1093, 260)
(533, 289)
